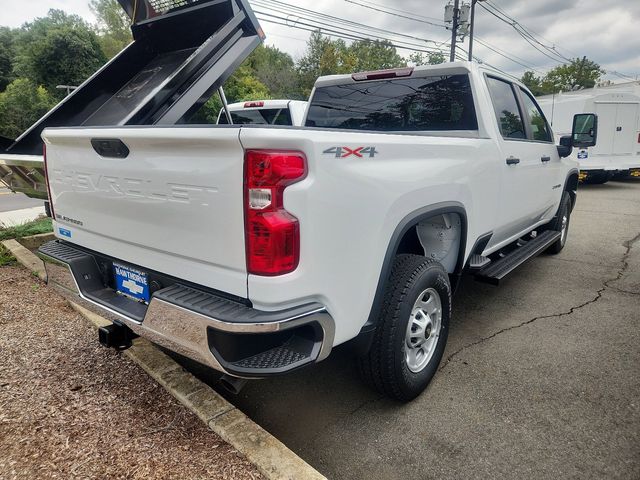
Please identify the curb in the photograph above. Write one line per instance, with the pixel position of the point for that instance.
(270, 456)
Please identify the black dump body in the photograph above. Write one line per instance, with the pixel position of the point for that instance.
(183, 50)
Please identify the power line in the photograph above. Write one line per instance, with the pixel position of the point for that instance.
(405, 15)
(550, 52)
(286, 9)
(305, 21)
(401, 15)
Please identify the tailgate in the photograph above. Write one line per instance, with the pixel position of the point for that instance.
(173, 204)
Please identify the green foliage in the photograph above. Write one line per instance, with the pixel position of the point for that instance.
(276, 71)
(328, 57)
(113, 26)
(323, 57)
(420, 58)
(21, 104)
(7, 53)
(28, 229)
(6, 259)
(579, 73)
(582, 73)
(242, 86)
(375, 55)
(57, 49)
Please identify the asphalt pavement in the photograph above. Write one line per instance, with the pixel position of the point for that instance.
(541, 376)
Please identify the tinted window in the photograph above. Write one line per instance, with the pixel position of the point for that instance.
(407, 104)
(268, 116)
(537, 122)
(506, 108)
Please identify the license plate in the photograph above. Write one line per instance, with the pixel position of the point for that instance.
(131, 282)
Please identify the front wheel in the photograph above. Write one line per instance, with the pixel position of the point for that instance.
(560, 223)
(412, 330)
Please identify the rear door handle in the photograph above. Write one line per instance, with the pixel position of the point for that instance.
(513, 161)
(545, 159)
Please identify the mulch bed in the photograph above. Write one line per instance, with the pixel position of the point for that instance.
(70, 408)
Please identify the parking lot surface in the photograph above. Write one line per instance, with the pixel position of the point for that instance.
(541, 377)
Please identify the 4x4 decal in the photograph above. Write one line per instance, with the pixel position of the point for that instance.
(343, 152)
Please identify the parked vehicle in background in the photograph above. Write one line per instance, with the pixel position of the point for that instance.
(618, 108)
(265, 112)
(262, 249)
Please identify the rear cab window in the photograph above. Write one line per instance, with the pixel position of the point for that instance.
(415, 104)
(264, 116)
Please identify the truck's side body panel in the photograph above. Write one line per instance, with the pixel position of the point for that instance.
(349, 207)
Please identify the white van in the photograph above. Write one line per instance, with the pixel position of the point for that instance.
(265, 112)
(618, 108)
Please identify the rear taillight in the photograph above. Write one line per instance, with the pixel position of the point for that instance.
(272, 233)
(253, 104)
(46, 175)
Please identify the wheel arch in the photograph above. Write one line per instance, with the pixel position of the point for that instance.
(402, 232)
(571, 186)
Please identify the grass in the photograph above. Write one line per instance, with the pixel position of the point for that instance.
(36, 227)
(25, 230)
(6, 258)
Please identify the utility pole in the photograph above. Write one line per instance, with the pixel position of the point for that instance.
(473, 18)
(454, 30)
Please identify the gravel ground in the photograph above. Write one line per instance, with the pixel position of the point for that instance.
(70, 408)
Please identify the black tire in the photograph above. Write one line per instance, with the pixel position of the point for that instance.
(564, 211)
(599, 178)
(385, 366)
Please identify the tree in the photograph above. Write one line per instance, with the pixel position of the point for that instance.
(7, 54)
(57, 49)
(242, 86)
(323, 57)
(580, 73)
(374, 55)
(328, 57)
(276, 71)
(21, 105)
(419, 58)
(113, 26)
(533, 83)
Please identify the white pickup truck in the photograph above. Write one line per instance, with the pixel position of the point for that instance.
(256, 251)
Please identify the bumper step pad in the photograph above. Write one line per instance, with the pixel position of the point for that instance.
(499, 269)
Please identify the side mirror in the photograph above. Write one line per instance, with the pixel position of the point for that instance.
(585, 130)
(566, 146)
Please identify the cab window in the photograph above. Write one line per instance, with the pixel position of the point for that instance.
(506, 109)
(539, 128)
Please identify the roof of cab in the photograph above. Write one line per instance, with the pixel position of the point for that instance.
(449, 68)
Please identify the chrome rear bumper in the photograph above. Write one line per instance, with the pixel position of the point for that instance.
(197, 324)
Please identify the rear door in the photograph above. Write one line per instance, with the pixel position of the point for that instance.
(606, 128)
(625, 132)
(540, 135)
(523, 195)
(170, 201)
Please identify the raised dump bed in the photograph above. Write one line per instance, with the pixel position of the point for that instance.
(182, 52)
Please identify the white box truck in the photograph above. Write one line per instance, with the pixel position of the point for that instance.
(618, 108)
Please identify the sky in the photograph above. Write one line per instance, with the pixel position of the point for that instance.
(603, 30)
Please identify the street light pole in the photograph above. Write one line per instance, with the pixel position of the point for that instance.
(454, 30)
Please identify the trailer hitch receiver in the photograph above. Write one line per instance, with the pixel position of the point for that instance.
(116, 336)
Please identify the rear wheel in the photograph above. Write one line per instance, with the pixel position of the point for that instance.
(597, 178)
(412, 330)
(560, 223)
